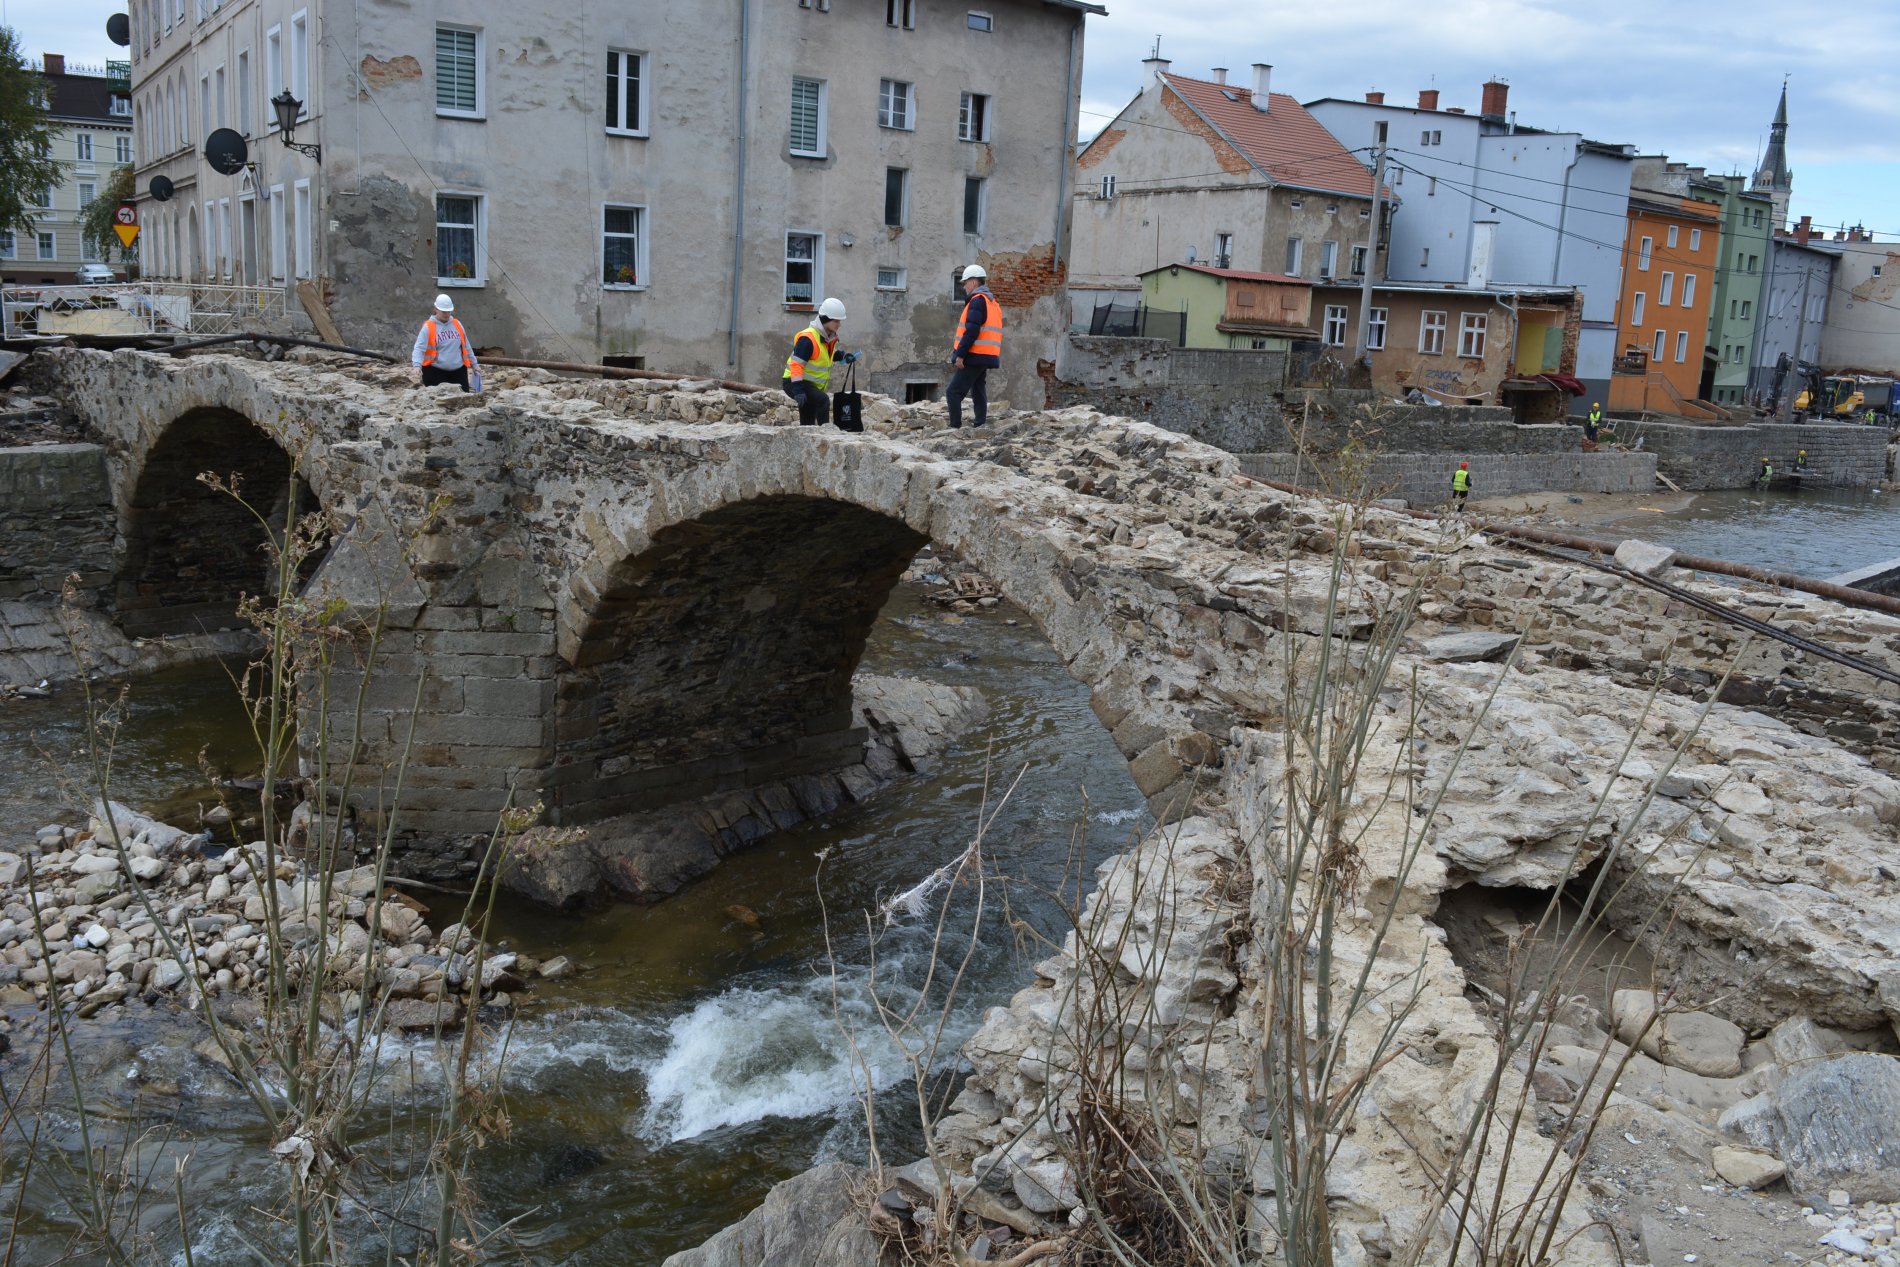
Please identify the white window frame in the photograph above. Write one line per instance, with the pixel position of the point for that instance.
(46, 244)
(640, 239)
(1375, 329)
(982, 207)
(1107, 189)
(1738, 354)
(822, 131)
(122, 149)
(1359, 261)
(1472, 327)
(981, 20)
(1328, 258)
(209, 260)
(479, 113)
(903, 204)
(1296, 256)
(204, 103)
(301, 213)
(1637, 306)
(897, 105)
(88, 250)
(1695, 239)
(87, 190)
(1674, 231)
(1662, 340)
(901, 14)
(218, 84)
(82, 147)
(1688, 290)
(300, 61)
(1682, 346)
(1431, 333)
(1223, 250)
(227, 260)
(902, 282)
(817, 269)
(964, 131)
(279, 233)
(244, 91)
(480, 279)
(9, 245)
(1333, 332)
(273, 62)
(1665, 289)
(1644, 250)
(640, 94)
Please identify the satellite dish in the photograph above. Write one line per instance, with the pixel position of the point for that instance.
(226, 152)
(119, 29)
(161, 189)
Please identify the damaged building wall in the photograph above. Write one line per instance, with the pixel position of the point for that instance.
(544, 172)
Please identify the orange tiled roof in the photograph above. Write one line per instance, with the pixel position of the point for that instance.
(1286, 142)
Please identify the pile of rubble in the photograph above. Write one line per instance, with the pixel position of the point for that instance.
(81, 931)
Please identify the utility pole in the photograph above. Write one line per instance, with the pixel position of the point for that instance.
(1800, 338)
(1364, 354)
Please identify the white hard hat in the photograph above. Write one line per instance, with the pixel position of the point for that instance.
(975, 270)
(831, 310)
(444, 303)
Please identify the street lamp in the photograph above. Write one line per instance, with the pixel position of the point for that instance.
(288, 108)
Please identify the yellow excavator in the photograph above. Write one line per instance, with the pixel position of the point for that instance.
(1848, 396)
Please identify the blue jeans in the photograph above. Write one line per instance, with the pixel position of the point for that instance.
(969, 381)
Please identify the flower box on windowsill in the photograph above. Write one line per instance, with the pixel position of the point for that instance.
(624, 286)
(475, 282)
(801, 307)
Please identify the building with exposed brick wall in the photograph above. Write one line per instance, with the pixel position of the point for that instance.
(1227, 176)
(577, 185)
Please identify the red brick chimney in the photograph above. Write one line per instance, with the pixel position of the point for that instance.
(1428, 99)
(1375, 98)
(55, 63)
(1495, 93)
(1804, 230)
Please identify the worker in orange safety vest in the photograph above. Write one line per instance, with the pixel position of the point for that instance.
(979, 347)
(442, 343)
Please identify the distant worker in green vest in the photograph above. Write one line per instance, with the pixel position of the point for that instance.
(1801, 462)
(1461, 484)
(808, 369)
(1593, 420)
(1765, 475)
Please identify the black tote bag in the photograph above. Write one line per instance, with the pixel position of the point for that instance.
(847, 406)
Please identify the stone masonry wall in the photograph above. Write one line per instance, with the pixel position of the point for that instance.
(1424, 479)
(56, 519)
(1728, 457)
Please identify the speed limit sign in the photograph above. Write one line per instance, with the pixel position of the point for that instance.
(126, 223)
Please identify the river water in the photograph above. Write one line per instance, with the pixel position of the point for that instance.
(1818, 533)
(698, 1059)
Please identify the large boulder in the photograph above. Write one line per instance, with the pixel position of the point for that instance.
(1840, 1127)
(810, 1220)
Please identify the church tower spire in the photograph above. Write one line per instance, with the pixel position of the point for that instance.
(1774, 177)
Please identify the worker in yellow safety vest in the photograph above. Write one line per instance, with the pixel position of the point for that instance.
(808, 369)
(1592, 421)
(979, 347)
(1766, 475)
(442, 341)
(1461, 484)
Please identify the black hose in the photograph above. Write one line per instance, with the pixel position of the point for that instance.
(280, 339)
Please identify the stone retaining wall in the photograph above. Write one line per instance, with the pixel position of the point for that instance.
(1424, 479)
(1728, 457)
(56, 518)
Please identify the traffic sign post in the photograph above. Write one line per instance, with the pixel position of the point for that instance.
(125, 223)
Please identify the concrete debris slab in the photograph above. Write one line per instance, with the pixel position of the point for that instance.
(1468, 648)
(1644, 556)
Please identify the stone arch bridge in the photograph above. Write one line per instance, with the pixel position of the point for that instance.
(639, 594)
(625, 603)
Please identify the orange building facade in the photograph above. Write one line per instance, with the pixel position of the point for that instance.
(1671, 250)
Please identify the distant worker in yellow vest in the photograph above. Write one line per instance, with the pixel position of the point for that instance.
(442, 353)
(1461, 484)
(979, 348)
(1801, 462)
(1766, 475)
(808, 369)
(1592, 421)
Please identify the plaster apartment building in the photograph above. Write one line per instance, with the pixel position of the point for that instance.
(1671, 250)
(670, 186)
(1741, 283)
(91, 125)
(1554, 201)
(1801, 288)
(1862, 334)
(1225, 176)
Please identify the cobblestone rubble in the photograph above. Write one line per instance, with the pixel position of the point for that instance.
(1178, 594)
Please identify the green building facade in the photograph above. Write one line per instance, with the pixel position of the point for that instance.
(1748, 225)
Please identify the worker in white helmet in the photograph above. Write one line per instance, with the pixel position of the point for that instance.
(979, 347)
(442, 353)
(808, 369)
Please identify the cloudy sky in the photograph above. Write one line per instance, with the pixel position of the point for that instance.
(1695, 79)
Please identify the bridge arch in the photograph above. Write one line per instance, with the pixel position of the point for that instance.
(190, 551)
